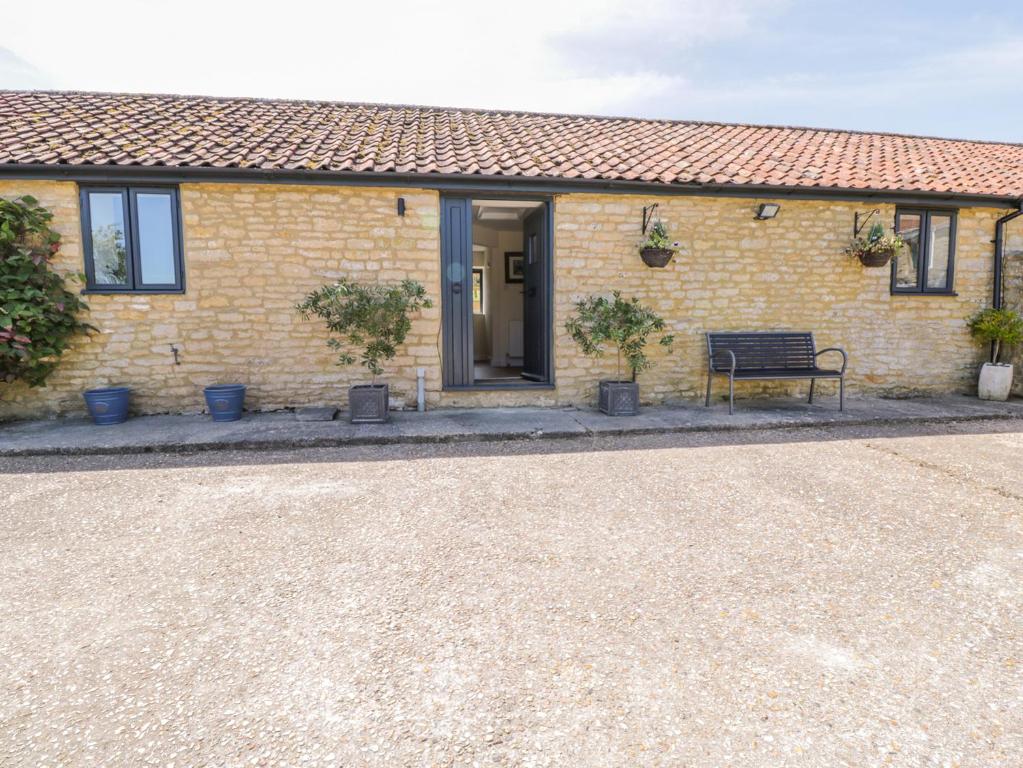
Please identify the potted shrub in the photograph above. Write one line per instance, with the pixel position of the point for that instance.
(877, 249)
(628, 326)
(657, 249)
(373, 319)
(999, 328)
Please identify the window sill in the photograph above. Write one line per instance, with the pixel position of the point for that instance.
(123, 292)
(924, 293)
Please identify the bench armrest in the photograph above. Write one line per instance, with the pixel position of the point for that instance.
(729, 352)
(845, 357)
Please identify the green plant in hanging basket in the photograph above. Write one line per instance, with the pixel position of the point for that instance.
(877, 248)
(658, 248)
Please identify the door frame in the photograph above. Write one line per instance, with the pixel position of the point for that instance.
(549, 213)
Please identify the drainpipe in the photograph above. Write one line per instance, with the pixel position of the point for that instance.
(999, 252)
(420, 389)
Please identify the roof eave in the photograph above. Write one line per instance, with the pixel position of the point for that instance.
(477, 182)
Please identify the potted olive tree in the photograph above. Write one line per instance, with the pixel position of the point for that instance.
(877, 248)
(999, 328)
(372, 319)
(627, 325)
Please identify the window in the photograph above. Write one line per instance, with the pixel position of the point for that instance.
(926, 263)
(132, 239)
(477, 291)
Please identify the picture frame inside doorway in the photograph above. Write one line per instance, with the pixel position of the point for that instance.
(513, 267)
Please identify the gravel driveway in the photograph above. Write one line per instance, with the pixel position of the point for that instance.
(838, 598)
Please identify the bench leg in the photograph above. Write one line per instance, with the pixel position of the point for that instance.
(841, 393)
(812, 382)
(710, 375)
(731, 395)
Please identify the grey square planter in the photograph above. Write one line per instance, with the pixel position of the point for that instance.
(619, 398)
(367, 404)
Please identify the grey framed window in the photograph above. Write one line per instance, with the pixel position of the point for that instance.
(131, 237)
(927, 263)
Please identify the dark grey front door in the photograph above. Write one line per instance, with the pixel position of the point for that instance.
(456, 289)
(536, 295)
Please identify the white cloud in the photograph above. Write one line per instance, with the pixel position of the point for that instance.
(658, 58)
(458, 52)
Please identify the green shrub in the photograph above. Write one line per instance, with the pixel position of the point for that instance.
(998, 327)
(373, 319)
(38, 314)
(623, 323)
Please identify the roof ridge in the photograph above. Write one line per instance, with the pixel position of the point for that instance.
(514, 112)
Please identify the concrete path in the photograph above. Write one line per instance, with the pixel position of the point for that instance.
(170, 434)
(844, 597)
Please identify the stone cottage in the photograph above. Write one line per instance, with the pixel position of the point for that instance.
(200, 222)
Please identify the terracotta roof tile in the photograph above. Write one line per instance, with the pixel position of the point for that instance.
(71, 128)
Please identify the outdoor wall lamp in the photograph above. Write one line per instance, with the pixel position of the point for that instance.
(768, 211)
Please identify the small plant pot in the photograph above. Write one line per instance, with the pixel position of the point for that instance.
(656, 257)
(107, 405)
(618, 398)
(995, 381)
(367, 404)
(225, 401)
(875, 258)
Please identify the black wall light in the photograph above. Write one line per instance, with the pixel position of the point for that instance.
(768, 211)
(401, 206)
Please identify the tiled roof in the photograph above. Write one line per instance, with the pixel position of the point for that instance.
(89, 129)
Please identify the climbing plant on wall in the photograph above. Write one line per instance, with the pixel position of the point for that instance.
(38, 314)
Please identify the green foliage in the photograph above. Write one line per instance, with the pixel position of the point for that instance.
(997, 327)
(657, 237)
(876, 241)
(38, 315)
(623, 323)
(370, 318)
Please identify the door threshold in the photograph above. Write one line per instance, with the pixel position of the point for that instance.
(503, 384)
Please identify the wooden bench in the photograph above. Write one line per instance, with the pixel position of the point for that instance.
(769, 355)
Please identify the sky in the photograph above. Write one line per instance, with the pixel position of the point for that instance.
(932, 68)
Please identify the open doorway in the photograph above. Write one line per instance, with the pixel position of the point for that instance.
(497, 292)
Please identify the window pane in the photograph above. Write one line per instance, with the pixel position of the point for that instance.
(938, 249)
(908, 225)
(156, 238)
(109, 252)
(477, 291)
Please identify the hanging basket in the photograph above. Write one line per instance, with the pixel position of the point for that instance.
(876, 258)
(656, 257)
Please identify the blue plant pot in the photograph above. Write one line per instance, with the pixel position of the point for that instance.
(107, 405)
(225, 401)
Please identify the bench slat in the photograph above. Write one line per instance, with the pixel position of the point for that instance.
(762, 350)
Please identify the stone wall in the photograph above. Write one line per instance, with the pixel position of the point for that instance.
(739, 273)
(252, 251)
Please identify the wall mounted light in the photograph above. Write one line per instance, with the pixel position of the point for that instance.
(401, 206)
(768, 211)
